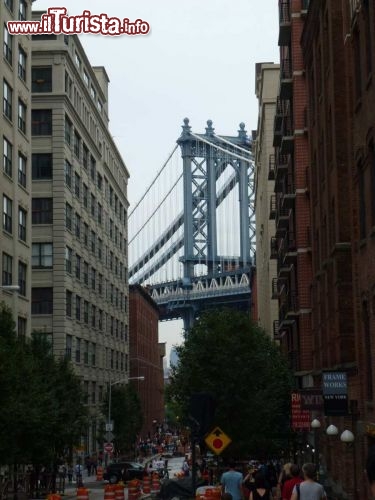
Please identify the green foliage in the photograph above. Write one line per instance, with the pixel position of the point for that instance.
(40, 397)
(127, 417)
(227, 356)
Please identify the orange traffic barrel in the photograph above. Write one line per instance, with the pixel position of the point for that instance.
(82, 494)
(53, 496)
(155, 485)
(119, 491)
(146, 484)
(133, 489)
(99, 473)
(109, 492)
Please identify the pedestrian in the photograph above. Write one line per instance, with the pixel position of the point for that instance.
(309, 489)
(231, 482)
(287, 489)
(370, 470)
(261, 490)
(70, 473)
(185, 466)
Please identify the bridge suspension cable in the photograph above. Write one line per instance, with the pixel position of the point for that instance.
(201, 138)
(153, 182)
(232, 144)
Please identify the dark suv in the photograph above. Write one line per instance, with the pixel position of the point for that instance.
(125, 471)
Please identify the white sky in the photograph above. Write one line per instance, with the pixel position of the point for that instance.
(198, 61)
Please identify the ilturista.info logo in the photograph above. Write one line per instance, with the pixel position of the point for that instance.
(57, 21)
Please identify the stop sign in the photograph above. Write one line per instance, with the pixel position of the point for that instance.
(108, 447)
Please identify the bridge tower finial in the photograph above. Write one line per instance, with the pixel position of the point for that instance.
(186, 127)
(210, 131)
(242, 132)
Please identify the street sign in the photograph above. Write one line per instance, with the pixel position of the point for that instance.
(217, 440)
(108, 447)
(335, 393)
(109, 426)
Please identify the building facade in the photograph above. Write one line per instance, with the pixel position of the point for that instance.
(267, 77)
(146, 358)
(79, 221)
(290, 206)
(15, 185)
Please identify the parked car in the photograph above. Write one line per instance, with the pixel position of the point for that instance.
(124, 471)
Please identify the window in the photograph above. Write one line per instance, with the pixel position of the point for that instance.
(22, 169)
(85, 77)
(68, 259)
(22, 116)
(22, 273)
(7, 100)
(85, 156)
(22, 12)
(86, 273)
(78, 350)
(41, 79)
(93, 361)
(22, 326)
(42, 301)
(7, 278)
(78, 266)
(68, 84)
(78, 308)
(77, 60)
(41, 166)
(100, 106)
(77, 144)
(7, 157)
(22, 218)
(68, 303)
(86, 312)
(42, 210)
(68, 348)
(93, 278)
(100, 284)
(68, 216)
(43, 37)
(100, 249)
(93, 242)
(42, 255)
(111, 228)
(9, 4)
(7, 214)
(93, 316)
(100, 320)
(93, 203)
(86, 353)
(68, 174)
(99, 180)
(78, 226)
(93, 92)
(92, 168)
(41, 122)
(99, 213)
(68, 130)
(85, 195)
(86, 234)
(22, 58)
(8, 45)
(77, 184)
(110, 195)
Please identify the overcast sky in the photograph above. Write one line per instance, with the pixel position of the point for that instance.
(197, 61)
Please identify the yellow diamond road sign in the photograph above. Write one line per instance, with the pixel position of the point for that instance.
(217, 440)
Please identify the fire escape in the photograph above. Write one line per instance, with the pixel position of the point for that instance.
(282, 203)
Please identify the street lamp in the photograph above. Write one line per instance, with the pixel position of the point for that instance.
(332, 430)
(315, 425)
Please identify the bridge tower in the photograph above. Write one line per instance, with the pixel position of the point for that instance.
(205, 157)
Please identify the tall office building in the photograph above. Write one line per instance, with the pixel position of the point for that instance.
(79, 220)
(15, 184)
(267, 77)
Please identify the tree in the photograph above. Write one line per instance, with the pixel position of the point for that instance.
(40, 397)
(226, 355)
(127, 417)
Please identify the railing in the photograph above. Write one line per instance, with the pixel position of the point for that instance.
(276, 333)
(286, 69)
(273, 248)
(271, 168)
(284, 11)
(272, 207)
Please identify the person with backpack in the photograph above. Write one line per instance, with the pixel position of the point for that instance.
(309, 489)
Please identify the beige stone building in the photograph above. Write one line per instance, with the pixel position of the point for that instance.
(79, 217)
(15, 182)
(266, 89)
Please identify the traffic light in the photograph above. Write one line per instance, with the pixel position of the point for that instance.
(201, 412)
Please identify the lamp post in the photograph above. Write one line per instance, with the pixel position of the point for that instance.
(315, 425)
(109, 426)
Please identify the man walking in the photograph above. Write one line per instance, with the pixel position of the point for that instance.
(231, 482)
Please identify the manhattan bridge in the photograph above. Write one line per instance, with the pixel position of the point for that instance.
(192, 233)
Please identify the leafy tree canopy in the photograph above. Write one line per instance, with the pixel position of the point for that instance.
(226, 355)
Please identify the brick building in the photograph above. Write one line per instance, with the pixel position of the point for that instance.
(338, 46)
(290, 206)
(146, 357)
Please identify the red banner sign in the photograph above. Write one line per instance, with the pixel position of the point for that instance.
(301, 419)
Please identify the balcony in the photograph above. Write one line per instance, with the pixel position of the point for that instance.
(287, 141)
(276, 330)
(286, 79)
(282, 217)
(289, 308)
(272, 207)
(275, 291)
(284, 22)
(287, 249)
(273, 248)
(288, 192)
(283, 163)
(271, 168)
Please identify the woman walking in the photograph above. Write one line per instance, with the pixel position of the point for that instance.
(309, 489)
